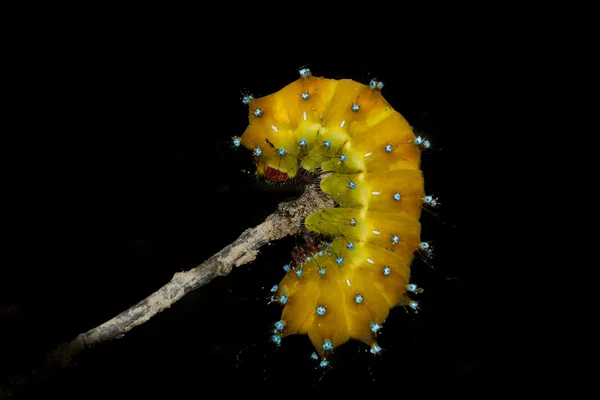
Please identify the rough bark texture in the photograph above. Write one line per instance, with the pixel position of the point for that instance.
(287, 220)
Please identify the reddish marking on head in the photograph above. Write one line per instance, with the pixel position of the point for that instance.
(275, 175)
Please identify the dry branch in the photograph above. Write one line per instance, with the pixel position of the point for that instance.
(287, 220)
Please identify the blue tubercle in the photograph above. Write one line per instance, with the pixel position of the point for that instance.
(304, 72)
(375, 327)
(276, 339)
(375, 348)
(279, 325)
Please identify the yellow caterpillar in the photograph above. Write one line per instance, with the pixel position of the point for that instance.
(343, 290)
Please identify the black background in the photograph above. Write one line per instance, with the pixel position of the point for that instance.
(125, 175)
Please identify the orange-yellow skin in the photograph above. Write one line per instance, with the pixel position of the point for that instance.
(363, 185)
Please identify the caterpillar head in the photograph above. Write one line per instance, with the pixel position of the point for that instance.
(284, 126)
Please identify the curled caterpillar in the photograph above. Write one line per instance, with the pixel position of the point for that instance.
(369, 160)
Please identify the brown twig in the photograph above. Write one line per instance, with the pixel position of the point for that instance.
(287, 220)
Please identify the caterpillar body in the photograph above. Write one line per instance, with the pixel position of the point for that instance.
(369, 160)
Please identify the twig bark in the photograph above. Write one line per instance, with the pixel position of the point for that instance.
(287, 220)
